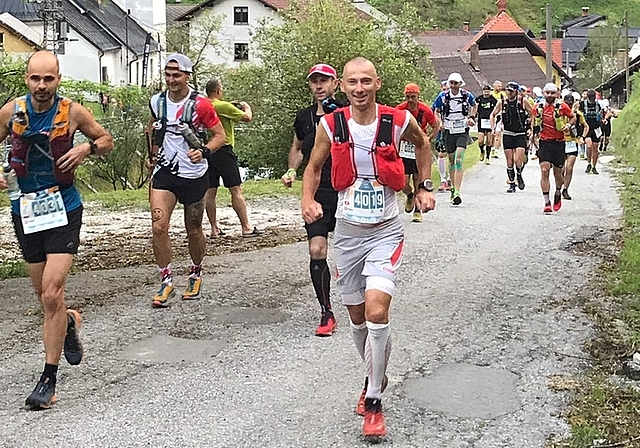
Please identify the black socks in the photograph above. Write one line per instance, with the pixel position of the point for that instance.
(50, 371)
(321, 279)
(511, 174)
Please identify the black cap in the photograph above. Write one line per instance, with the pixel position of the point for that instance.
(569, 98)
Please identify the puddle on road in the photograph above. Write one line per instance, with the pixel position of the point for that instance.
(467, 391)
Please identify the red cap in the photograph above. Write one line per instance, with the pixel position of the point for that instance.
(411, 88)
(323, 69)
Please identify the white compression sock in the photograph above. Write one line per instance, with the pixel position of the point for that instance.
(359, 334)
(442, 169)
(377, 357)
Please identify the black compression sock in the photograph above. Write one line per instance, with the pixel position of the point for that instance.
(511, 174)
(321, 280)
(50, 371)
(488, 150)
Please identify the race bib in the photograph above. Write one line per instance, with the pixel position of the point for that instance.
(458, 126)
(43, 210)
(597, 132)
(407, 150)
(485, 123)
(364, 202)
(570, 147)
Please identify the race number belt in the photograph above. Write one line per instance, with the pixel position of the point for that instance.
(407, 150)
(457, 126)
(485, 123)
(42, 210)
(570, 147)
(364, 202)
(597, 132)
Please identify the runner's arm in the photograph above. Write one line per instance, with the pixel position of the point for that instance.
(5, 117)
(311, 210)
(218, 137)
(293, 161)
(496, 110)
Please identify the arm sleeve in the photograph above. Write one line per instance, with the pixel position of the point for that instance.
(472, 99)
(437, 104)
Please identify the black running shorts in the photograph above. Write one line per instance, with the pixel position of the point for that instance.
(61, 240)
(606, 129)
(328, 198)
(454, 141)
(410, 166)
(552, 152)
(187, 191)
(224, 163)
(513, 142)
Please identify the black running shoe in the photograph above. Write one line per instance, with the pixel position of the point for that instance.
(520, 182)
(588, 170)
(43, 396)
(512, 188)
(594, 170)
(73, 351)
(457, 200)
(565, 195)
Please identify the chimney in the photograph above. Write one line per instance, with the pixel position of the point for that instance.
(475, 57)
(502, 5)
(585, 11)
(465, 27)
(543, 34)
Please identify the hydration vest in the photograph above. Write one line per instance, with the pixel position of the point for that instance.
(592, 111)
(160, 125)
(446, 104)
(559, 119)
(54, 142)
(521, 114)
(387, 163)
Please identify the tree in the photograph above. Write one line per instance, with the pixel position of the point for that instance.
(599, 62)
(315, 31)
(197, 38)
(12, 83)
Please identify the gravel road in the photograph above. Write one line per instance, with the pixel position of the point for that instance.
(484, 318)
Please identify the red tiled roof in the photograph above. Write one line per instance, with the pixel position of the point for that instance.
(276, 4)
(503, 23)
(556, 48)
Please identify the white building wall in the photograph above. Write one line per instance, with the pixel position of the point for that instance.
(81, 60)
(231, 34)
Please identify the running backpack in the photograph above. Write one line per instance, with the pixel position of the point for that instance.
(160, 125)
(446, 106)
(593, 112)
(521, 112)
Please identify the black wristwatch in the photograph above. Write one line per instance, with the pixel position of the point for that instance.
(93, 148)
(426, 185)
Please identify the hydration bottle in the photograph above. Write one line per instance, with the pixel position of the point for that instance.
(10, 176)
(190, 136)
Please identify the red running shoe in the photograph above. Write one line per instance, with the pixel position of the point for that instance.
(547, 209)
(373, 425)
(557, 203)
(327, 325)
(363, 395)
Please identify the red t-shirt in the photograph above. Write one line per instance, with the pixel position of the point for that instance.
(428, 117)
(549, 131)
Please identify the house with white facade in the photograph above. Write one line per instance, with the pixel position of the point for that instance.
(241, 19)
(103, 41)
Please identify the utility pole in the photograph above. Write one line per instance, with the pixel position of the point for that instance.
(50, 11)
(627, 75)
(549, 58)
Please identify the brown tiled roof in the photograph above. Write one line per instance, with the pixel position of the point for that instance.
(511, 64)
(276, 4)
(442, 44)
(502, 23)
(556, 49)
(176, 10)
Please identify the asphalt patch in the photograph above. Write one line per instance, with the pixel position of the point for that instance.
(171, 350)
(466, 391)
(245, 315)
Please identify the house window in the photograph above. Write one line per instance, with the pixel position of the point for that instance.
(104, 75)
(241, 15)
(1, 41)
(241, 52)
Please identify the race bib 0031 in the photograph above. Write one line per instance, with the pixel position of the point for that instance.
(43, 210)
(364, 202)
(407, 150)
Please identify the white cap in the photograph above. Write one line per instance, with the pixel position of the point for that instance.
(604, 103)
(537, 91)
(576, 96)
(184, 63)
(456, 77)
(550, 87)
(564, 93)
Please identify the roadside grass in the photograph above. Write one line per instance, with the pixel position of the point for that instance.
(606, 411)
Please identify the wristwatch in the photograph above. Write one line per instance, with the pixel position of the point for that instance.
(426, 185)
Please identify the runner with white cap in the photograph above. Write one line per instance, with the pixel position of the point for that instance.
(458, 108)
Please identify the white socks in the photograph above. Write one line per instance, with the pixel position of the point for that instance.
(377, 352)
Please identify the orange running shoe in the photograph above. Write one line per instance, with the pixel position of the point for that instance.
(73, 351)
(373, 425)
(327, 325)
(363, 395)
